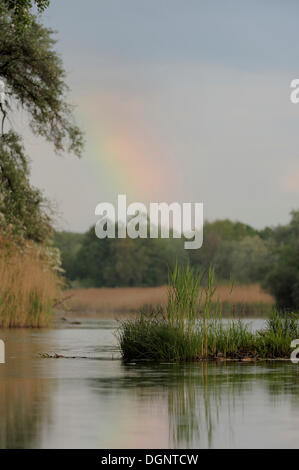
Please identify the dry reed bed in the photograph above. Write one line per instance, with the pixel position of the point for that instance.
(131, 299)
(27, 286)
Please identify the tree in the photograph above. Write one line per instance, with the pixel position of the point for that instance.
(23, 209)
(221, 239)
(283, 277)
(35, 82)
(120, 262)
(20, 11)
(126, 263)
(250, 259)
(69, 244)
(91, 259)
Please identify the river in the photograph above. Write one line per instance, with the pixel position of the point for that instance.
(91, 399)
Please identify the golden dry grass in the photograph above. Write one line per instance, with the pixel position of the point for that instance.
(117, 299)
(27, 286)
(130, 299)
(251, 293)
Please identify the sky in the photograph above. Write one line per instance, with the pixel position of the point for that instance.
(179, 100)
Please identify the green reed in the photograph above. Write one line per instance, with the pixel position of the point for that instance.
(191, 327)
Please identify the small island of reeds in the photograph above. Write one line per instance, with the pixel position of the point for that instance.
(192, 328)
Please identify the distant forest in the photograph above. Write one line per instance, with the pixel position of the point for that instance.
(235, 250)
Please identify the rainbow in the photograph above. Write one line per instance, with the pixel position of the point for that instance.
(131, 164)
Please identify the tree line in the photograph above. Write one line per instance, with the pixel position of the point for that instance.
(236, 251)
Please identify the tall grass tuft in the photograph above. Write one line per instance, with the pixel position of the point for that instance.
(28, 285)
(190, 328)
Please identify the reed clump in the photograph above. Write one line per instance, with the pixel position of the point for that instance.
(28, 284)
(191, 327)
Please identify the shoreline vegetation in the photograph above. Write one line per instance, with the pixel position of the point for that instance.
(29, 284)
(191, 328)
(32, 80)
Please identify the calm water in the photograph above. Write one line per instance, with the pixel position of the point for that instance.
(96, 401)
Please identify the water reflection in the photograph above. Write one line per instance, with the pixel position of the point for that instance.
(23, 399)
(100, 402)
(224, 404)
(219, 394)
(22, 404)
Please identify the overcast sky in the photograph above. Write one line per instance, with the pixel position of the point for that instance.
(180, 100)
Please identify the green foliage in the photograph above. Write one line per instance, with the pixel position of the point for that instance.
(90, 263)
(124, 262)
(283, 324)
(20, 12)
(212, 242)
(282, 279)
(186, 296)
(23, 209)
(228, 230)
(150, 338)
(235, 250)
(68, 244)
(247, 260)
(34, 81)
(275, 340)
